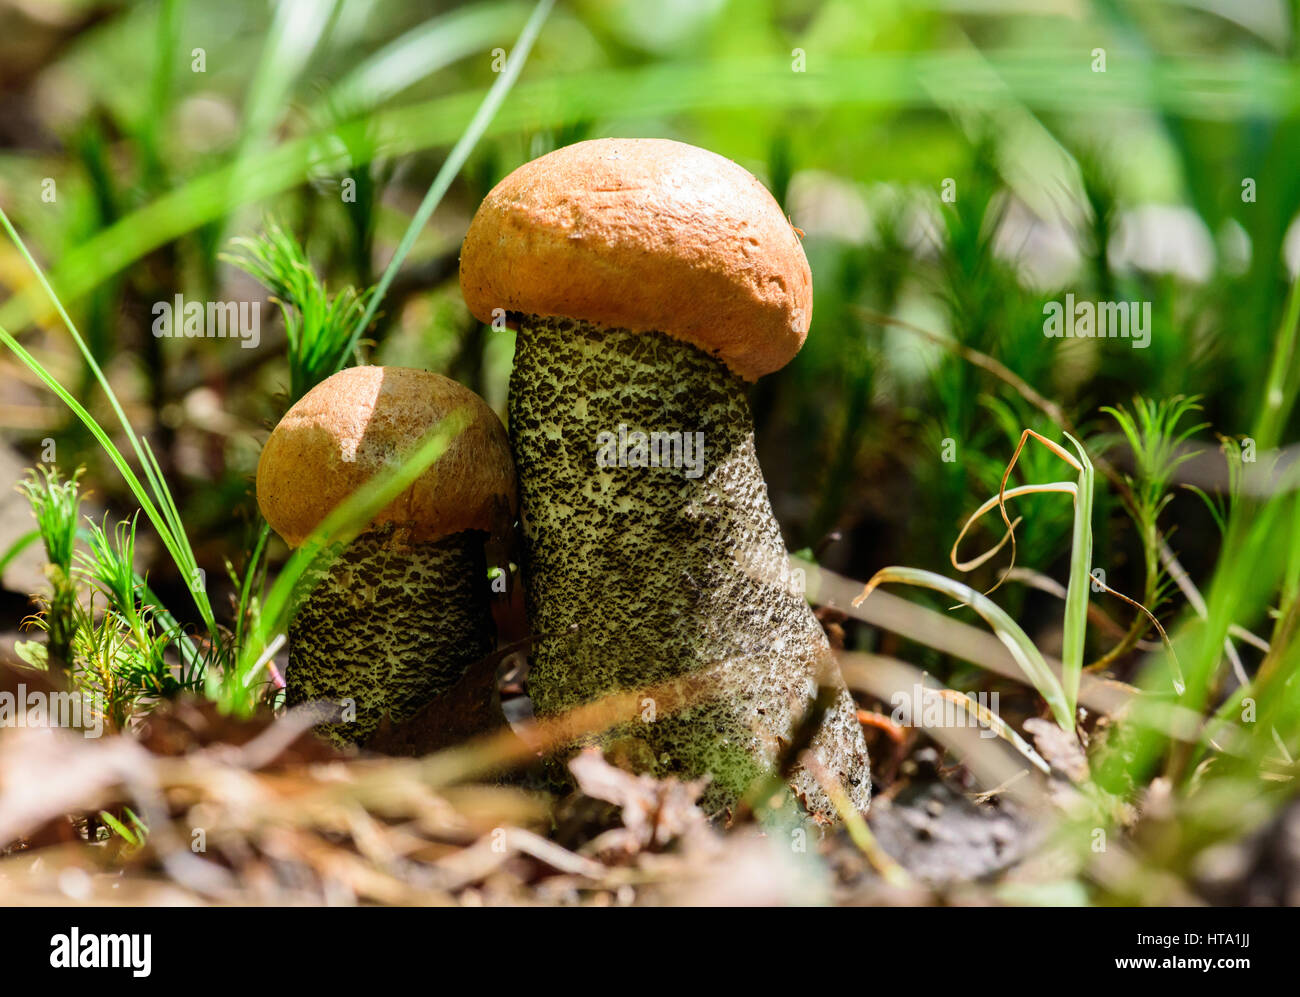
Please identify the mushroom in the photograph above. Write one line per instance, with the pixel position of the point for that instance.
(650, 281)
(404, 610)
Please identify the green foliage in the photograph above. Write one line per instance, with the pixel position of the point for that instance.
(850, 433)
(1157, 440)
(125, 654)
(1220, 505)
(156, 499)
(318, 325)
(1022, 649)
(1155, 435)
(56, 504)
(134, 834)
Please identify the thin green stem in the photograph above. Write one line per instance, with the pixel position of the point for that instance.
(452, 166)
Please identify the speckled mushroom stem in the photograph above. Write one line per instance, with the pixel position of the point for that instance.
(389, 625)
(638, 575)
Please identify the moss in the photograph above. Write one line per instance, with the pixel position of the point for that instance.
(389, 625)
(636, 575)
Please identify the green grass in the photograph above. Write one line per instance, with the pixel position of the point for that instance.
(323, 334)
(926, 332)
(318, 325)
(56, 505)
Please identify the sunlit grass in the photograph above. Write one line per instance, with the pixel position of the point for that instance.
(900, 120)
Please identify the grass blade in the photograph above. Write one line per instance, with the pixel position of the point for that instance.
(1006, 629)
(453, 164)
(170, 530)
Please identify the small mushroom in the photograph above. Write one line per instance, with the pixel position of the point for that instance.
(650, 281)
(403, 611)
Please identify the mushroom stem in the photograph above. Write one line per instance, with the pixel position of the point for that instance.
(387, 626)
(637, 574)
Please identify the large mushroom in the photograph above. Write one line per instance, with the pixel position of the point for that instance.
(649, 282)
(401, 613)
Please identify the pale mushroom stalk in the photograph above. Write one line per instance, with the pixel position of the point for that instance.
(649, 281)
(398, 616)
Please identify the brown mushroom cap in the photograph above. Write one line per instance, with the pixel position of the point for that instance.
(362, 420)
(647, 235)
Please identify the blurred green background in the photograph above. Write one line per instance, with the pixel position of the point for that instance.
(954, 167)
